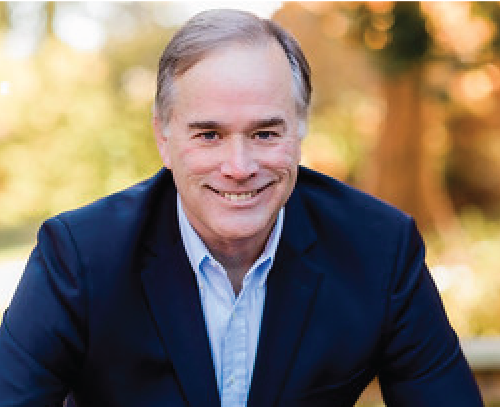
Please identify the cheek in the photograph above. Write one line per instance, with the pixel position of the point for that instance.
(195, 161)
(284, 157)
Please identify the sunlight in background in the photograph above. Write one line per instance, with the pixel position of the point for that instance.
(81, 25)
(4, 88)
(457, 28)
(178, 12)
(85, 25)
(10, 274)
(27, 28)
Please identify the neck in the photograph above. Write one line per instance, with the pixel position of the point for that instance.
(237, 258)
(236, 255)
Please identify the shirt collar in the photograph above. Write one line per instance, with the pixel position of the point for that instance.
(197, 252)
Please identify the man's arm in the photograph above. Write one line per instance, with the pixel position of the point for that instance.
(423, 364)
(43, 332)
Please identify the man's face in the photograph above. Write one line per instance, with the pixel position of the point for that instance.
(232, 143)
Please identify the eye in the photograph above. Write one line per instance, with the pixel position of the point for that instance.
(265, 134)
(209, 135)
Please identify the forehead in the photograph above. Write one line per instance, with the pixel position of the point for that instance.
(236, 75)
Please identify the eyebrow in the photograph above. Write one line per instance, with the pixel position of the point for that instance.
(270, 122)
(255, 124)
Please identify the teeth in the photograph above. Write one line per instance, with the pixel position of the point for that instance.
(237, 197)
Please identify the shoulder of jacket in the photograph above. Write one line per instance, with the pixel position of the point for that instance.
(121, 213)
(329, 198)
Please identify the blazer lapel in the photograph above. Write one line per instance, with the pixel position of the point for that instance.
(291, 289)
(173, 297)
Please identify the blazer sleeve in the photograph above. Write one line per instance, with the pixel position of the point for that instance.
(422, 363)
(43, 332)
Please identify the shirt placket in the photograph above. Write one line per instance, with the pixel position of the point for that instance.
(235, 356)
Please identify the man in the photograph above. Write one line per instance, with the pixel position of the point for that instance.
(232, 277)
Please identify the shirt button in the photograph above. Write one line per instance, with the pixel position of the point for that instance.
(231, 379)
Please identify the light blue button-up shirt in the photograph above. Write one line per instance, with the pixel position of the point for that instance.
(233, 323)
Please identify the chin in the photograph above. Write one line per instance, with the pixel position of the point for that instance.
(237, 234)
(239, 231)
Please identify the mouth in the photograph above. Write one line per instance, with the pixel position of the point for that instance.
(240, 196)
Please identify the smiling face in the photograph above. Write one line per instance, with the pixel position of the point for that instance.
(233, 144)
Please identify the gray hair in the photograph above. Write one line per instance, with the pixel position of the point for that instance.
(210, 30)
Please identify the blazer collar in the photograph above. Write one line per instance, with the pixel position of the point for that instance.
(173, 297)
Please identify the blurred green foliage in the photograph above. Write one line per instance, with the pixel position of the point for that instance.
(78, 125)
(465, 265)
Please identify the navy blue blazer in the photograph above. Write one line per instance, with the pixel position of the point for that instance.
(108, 309)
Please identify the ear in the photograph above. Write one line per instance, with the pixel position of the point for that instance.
(302, 128)
(161, 140)
(299, 149)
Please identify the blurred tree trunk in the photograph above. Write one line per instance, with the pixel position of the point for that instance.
(401, 170)
(398, 157)
(50, 11)
(4, 15)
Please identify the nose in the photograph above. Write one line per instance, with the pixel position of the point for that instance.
(238, 162)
